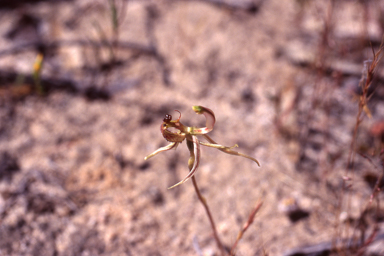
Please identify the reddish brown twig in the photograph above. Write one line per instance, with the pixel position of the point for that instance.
(245, 227)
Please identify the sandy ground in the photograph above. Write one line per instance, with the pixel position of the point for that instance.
(73, 180)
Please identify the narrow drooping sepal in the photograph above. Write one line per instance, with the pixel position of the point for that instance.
(217, 146)
(193, 163)
(168, 147)
(209, 117)
(226, 149)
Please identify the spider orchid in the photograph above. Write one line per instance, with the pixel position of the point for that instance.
(175, 132)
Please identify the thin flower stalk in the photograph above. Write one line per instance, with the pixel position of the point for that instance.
(175, 132)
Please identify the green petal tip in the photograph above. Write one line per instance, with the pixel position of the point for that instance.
(197, 109)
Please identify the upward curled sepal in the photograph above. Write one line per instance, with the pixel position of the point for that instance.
(209, 117)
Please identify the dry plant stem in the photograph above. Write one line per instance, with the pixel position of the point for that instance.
(204, 202)
(376, 189)
(319, 67)
(139, 48)
(248, 6)
(245, 227)
(116, 20)
(365, 84)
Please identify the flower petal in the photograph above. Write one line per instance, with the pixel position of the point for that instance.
(217, 145)
(168, 147)
(226, 149)
(209, 117)
(194, 158)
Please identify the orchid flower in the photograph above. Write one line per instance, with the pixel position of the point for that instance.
(175, 132)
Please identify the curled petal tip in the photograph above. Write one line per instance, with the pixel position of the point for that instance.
(210, 120)
(197, 109)
(177, 184)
